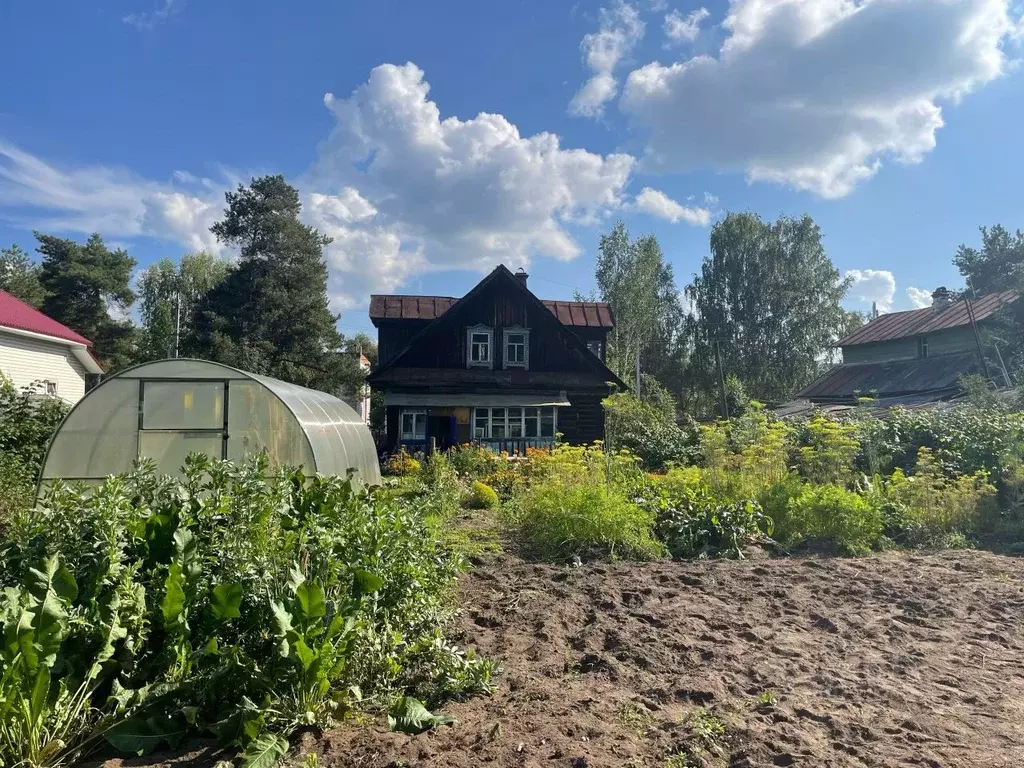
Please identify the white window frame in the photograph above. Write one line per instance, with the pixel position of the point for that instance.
(481, 412)
(470, 332)
(413, 436)
(596, 348)
(51, 387)
(513, 330)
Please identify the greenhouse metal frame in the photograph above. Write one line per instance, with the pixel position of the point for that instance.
(166, 409)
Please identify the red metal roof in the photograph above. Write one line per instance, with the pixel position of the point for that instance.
(900, 325)
(15, 313)
(593, 314)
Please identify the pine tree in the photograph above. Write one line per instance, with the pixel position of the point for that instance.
(88, 289)
(271, 314)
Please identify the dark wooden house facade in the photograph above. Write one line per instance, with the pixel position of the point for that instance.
(498, 367)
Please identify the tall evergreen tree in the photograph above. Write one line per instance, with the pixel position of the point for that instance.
(169, 294)
(88, 288)
(770, 297)
(20, 277)
(271, 314)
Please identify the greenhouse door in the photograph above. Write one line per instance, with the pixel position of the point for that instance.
(178, 417)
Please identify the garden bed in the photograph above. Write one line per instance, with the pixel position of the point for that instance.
(892, 659)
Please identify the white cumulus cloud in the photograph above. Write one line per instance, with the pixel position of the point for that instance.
(815, 94)
(919, 297)
(619, 32)
(400, 189)
(657, 203)
(466, 193)
(877, 286)
(684, 29)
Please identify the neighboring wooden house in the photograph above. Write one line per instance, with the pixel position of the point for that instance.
(914, 356)
(37, 351)
(498, 367)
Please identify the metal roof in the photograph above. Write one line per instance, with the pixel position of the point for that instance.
(15, 313)
(892, 378)
(900, 325)
(586, 314)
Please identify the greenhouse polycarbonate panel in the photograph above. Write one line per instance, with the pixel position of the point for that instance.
(183, 368)
(100, 435)
(339, 438)
(169, 449)
(259, 421)
(183, 405)
(294, 425)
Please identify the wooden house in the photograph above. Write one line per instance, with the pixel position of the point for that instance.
(498, 367)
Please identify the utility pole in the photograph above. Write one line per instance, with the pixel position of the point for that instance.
(974, 327)
(721, 379)
(638, 370)
(177, 323)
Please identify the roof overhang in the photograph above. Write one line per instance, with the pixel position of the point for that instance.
(80, 351)
(468, 400)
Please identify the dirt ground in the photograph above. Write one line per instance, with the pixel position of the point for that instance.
(890, 660)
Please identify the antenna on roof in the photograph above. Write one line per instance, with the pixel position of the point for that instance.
(974, 326)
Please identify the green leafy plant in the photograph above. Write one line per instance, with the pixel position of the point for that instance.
(833, 517)
(148, 620)
(483, 496)
(408, 715)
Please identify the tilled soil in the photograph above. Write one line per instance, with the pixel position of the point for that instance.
(890, 660)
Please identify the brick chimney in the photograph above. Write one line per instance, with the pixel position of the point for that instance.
(521, 276)
(941, 297)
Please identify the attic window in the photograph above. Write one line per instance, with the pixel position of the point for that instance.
(517, 347)
(479, 340)
(922, 347)
(595, 348)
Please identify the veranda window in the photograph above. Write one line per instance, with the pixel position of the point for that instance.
(414, 425)
(501, 423)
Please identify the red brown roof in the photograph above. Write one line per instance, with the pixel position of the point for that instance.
(901, 325)
(592, 314)
(15, 313)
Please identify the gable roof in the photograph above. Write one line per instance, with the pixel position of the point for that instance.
(935, 375)
(19, 317)
(901, 325)
(578, 314)
(501, 272)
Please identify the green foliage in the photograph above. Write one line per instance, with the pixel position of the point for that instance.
(585, 520)
(771, 296)
(408, 715)
(28, 420)
(271, 314)
(831, 516)
(20, 277)
(149, 613)
(401, 463)
(473, 461)
(745, 455)
(169, 293)
(483, 496)
(828, 449)
(931, 509)
(83, 284)
(648, 430)
(634, 278)
(692, 526)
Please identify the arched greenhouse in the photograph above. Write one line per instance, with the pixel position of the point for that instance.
(168, 409)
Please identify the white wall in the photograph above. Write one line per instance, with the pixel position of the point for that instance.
(25, 360)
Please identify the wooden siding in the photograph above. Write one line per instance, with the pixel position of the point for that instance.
(394, 335)
(25, 361)
(946, 342)
(497, 309)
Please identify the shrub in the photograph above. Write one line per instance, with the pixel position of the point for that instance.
(648, 430)
(928, 508)
(697, 527)
(473, 461)
(401, 464)
(831, 515)
(558, 520)
(744, 456)
(232, 601)
(440, 491)
(483, 496)
(828, 449)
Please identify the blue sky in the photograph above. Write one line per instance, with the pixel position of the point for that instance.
(458, 135)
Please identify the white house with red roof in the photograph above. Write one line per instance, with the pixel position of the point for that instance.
(37, 350)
